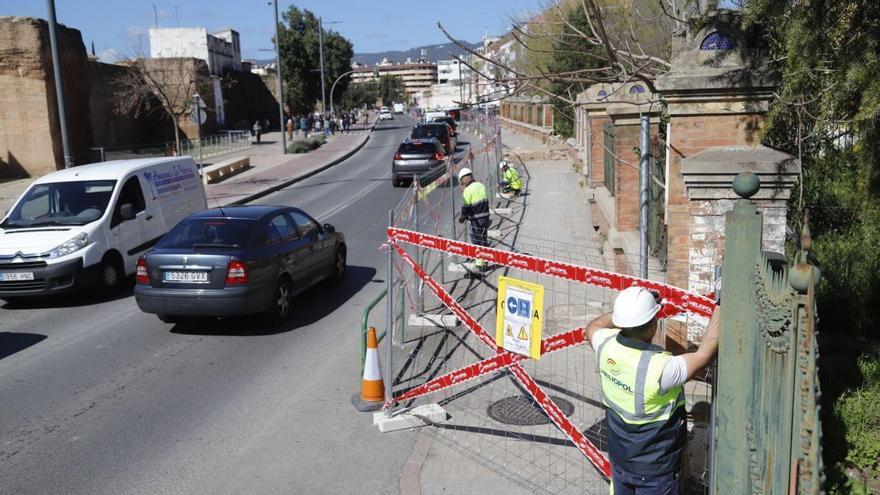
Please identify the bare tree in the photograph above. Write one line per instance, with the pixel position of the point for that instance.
(171, 82)
(628, 40)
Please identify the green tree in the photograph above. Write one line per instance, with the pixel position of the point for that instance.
(300, 59)
(828, 114)
(359, 94)
(391, 89)
(571, 60)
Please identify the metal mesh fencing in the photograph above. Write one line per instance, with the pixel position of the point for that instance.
(493, 419)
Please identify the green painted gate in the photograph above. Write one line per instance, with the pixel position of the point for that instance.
(768, 434)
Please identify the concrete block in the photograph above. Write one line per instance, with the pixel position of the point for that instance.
(405, 419)
(456, 268)
(227, 168)
(447, 321)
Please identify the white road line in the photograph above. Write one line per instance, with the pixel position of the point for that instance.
(327, 214)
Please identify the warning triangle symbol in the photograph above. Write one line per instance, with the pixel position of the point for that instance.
(522, 334)
(509, 331)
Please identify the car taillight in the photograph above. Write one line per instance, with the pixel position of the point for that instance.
(236, 273)
(439, 156)
(397, 156)
(141, 275)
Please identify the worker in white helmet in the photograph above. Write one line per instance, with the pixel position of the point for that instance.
(642, 393)
(510, 182)
(475, 208)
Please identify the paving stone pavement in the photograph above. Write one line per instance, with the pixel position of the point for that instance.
(555, 223)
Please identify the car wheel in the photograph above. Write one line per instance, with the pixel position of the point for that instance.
(109, 275)
(279, 308)
(338, 267)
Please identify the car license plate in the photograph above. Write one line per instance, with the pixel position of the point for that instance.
(16, 276)
(187, 277)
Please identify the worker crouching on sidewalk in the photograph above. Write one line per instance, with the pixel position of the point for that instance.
(643, 394)
(510, 180)
(475, 208)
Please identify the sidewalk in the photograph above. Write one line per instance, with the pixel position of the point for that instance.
(270, 169)
(474, 454)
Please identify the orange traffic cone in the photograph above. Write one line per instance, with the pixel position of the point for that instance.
(372, 394)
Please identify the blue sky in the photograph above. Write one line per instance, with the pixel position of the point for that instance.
(116, 26)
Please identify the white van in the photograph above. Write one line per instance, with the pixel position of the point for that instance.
(86, 226)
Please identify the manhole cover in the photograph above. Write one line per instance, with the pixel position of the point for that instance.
(523, 411)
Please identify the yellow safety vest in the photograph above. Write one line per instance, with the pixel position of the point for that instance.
(511, 176)
(476, 203)
(646, 427)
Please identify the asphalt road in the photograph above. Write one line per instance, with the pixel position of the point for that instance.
(99, 398)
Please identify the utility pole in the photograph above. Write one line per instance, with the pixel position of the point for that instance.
(321, 56)
(278, 80)
(643, 198)
(59, 84)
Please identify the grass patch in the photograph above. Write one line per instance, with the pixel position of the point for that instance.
(306, 145)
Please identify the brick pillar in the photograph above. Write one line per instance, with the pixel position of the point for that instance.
(717, 95)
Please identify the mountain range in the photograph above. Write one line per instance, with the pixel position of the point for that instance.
(433, 53)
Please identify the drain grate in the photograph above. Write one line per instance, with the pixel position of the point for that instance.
(521, 410)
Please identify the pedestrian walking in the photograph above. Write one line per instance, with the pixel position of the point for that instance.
(258, 130)
(346, 122)
(304, 125)
(510, 180)
(643, 395)
(290, 126)
(474, 208)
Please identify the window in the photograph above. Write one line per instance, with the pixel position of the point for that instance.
(281, 229)
(717, 42)
(209, 232)
(132, 194)
(608, 132)
(61, 203)
(305, 223)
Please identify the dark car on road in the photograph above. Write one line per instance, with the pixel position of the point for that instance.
(438, 130)
(236, 261)
(421, 157)
(450, 121)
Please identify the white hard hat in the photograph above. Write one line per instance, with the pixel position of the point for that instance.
(502, 164)
(464, 171)
(633, 307)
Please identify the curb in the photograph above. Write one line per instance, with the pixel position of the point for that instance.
(278, 187)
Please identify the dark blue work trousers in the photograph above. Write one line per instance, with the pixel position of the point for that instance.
(624, 483)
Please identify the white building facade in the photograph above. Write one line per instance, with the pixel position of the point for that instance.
(221, 50)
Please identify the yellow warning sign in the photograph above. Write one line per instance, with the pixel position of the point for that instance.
(520, 305)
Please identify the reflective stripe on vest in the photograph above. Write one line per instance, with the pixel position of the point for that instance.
(512, 178)
(475, 198)
(631, 383)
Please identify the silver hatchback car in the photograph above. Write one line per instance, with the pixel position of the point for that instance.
(417, 157)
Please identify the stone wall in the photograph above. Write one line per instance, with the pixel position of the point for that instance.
(249, 97)
(30, 139)
(112, 128)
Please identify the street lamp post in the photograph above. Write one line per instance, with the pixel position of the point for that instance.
(278, 80)
(321, 56)
(334, 87)
(59, 84)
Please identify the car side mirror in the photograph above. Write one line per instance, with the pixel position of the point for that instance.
(329, 228)
(126, 211)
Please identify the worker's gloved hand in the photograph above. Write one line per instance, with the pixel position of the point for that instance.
(462, 219)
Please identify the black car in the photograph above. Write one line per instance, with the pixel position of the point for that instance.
(437, 130)
(417, 157)
(238, 260)
(449, 120)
